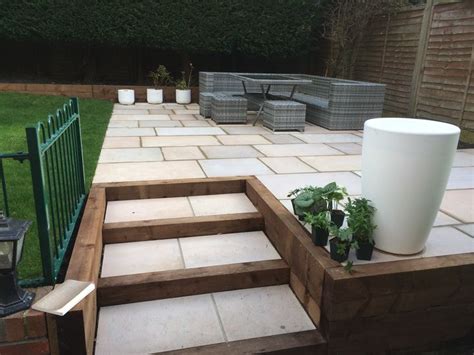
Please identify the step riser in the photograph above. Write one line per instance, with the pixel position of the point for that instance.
(124, 232)
(186, 282)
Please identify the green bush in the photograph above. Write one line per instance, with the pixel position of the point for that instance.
(262, 28)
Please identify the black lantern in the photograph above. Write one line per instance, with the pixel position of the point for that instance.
(12, 235)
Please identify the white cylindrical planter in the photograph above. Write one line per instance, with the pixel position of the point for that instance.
(183, 96)
(405, 169)
(126, 96)
(154, 96)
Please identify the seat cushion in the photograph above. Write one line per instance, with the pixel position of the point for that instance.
(311, 100)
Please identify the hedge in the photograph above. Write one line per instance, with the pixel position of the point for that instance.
(253, 27)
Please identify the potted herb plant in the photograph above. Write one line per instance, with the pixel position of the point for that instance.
(360, 213)
(183, 87)
(160, 77)
(341, 243)
(334, 194)
(320, 224)
(307, 199)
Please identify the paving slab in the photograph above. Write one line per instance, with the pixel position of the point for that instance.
(179, 141)
(136, 117)
(168, 123)
(123, 111)
(196, 123)
(287, 150)
(461, 178)
(262, 311)
(463, 159)
(231, 151)
(130, 132)
(189, 131)
(160, 111)
(467, 228)
(121, 142)
(286, 165)
(248, 129)
(165, 170)
(182, 153)
(281, 138)
(182, 117)
(459, 204)
(442, 219)
(123, 124)
(335, 163)
(328, 138)
(156, 326)
(234, 167)
(121, 155)
(224, 249)
(140, 257)
(280, 185)
(146, 209)
(242, 139)
(208, 205)
(185, 112)
(348, 148)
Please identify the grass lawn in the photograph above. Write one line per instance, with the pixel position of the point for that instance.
(20, 110)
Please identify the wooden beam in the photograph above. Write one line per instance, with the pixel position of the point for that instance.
(76, 329)
(185, 282)
(173, 188)
(300, 343)
(122, 232)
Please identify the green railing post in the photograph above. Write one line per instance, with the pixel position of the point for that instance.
(41, 202)
(82, 178)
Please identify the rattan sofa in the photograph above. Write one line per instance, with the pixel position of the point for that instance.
(330, 103)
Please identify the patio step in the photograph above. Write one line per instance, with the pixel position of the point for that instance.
(263, 320)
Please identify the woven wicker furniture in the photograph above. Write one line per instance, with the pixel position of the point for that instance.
(330, 103)
(284, 115)
(205, 99)
(228, 109)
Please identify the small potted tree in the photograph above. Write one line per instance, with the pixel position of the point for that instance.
(320, 224)
(334, 194)
(341, 243)
(160, 77)
(360, 213)
(183, 87)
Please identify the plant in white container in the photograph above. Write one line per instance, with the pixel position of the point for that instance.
(183, 87)
(126, 96)
(160, 77)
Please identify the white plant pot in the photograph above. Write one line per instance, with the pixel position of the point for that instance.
(405, 169)
(183, 96)
(154, 96)
(126, 96)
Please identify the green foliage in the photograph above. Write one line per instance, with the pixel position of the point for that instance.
(360, 213)
(323, 198)
(183, 84)
(262, 28)
(20, 110)
(333, 193)
(343, 239)
(303, 202)
(160, 77)
(320, 220)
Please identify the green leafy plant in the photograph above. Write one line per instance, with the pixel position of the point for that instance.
(303, 202)
(183, 84)
(320, 220)
(160, 77)
(318, 204)
(333, 193)
(342, 239)
(360, 214)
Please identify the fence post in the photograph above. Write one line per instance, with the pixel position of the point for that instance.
(420, 57)
(75, 105)
(41, 202)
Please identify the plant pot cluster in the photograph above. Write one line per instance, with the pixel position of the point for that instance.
(318, 207)
(161, 77)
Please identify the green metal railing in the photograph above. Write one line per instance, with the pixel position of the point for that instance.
(57, 172)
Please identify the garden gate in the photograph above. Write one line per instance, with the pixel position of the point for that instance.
(57, 172)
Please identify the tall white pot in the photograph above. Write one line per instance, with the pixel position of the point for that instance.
(126, 96)
(405, 169)
(154, 96)
(183, 96)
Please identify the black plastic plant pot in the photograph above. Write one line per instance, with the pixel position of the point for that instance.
(337, 217)
(319, 236)
(335, 255)
(300, 217)
(365, 250)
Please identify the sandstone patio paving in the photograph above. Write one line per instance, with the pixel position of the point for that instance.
(123, 124)
(234, 167)
(196, 123)
(163, 123)
(327, 138)
(182, 153)
(147, 171)
(136, 117)
(207, 205)
(287, 150)
(467, 228)
(121, 142)
(122, 155)
(179, 141)
(282, 138)
(461, 178)
(189, 131)
(348, 148)
(334, 163)
(232, 151)
(463, 159)
(130, 132)
(243, 139)
(182, 117)
(459, 204)
(285, 165)
(245, 129)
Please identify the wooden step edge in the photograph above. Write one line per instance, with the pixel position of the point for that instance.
(186, 282)
(123, 232)
(299, 343)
